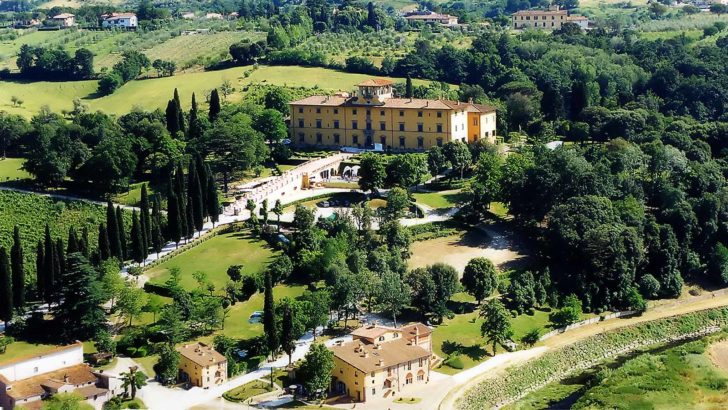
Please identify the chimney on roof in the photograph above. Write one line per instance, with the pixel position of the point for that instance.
(65, 378)
(427, 103)
(365, 355)
(381, 362)
(470, 100)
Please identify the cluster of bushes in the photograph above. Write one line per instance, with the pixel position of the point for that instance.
(55, 64)
(129, 68)
(560, 363)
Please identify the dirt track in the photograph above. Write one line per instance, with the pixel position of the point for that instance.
(662, 310)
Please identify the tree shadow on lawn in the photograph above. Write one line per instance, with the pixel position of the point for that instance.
(474, 352)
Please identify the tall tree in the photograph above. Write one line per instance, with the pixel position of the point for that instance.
(174, 230)
(371, 172)
(112, 230)
(497, 326)
(39, 270)
(157, 238)
(195, 129)
(180, 113)
(133, 379)
(103, 241)
(79, 312)
(18, 270)
(287, 340)
(179, 181)
(459, 155)
(122, 233)
(408, 87)
(372, 20)
(6, 288)
(394, 294)
(50, 266)
(144, 222)
(316, 368)
(72, 245)
(213, 203)
(194, 197)
(214, 105)
(278, 210)
(137, 241)
(269, 318)
(60, 263)
(84, 245)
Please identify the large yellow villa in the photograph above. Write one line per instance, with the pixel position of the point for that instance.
(374, 116)
(382, 361)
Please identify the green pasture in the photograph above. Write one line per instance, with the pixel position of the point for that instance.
(10, 169)
(439, 200)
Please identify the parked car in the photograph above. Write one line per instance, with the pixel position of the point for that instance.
(323, 204)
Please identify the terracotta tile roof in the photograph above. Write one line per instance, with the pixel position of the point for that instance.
(406, 103)
(321, 100)
(201, 354)
(540, 13)
(91, 391)
(416, 328)
(577, 17)
(435, 16)
(114, 16)
(372, 332)
(375, 82)
(34, 386)
(372, 357)
(63, 16)
(51, 350)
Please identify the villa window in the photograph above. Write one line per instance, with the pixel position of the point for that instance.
(319, 138)
(369, 112)
(409, 365)
(439, 127)
(420, 127)
(300, 110)
(401, 142)
(374, 391)
(381, 338)
(419, 113)
(420, 377)
(475, 121)
(318, 110)
(382, 126)
(401, 126)
(354, 111)
(409, 379)
(381, 113)
(354, 125)
(355, 139)
(336, 110)
(401, 113)
(439, 114)
(336, 124)
(300, 124)
(318, 123)
(420, 362)
(336, 138)
(383, 140)
(439, 142)
(420, 142)
(301, 138)
(369, 125)
(372, 376)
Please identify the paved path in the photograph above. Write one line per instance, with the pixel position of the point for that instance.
(662, 310)
(156, 396)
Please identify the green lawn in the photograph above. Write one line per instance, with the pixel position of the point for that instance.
(213, 257)
(439, 200)
(248, 390)
(10, 169)
(147, 363)
(237, 325)
(133, 195)
(153, 93)
(462, 333)
(19, 349)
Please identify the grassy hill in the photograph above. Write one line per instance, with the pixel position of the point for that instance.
(154, 93)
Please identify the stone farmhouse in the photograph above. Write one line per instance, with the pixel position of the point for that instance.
(552, 19)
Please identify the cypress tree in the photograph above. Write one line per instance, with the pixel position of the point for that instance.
(408, 87)
(180, 114)
(269, 316)
(190, 224)
(122, 233)
(49, 266)
(157, 240)
(60, 260)
(144, 222)
(213, 203)
(112, 230)
(83, 243)
(6, 288)
(173, 217)
(72, 246)
(172, 118)
(39, 269)
(214, 105)
(104, 251)
(194, 195)
(137, 242)
(18, 270)
(181, 203)
(202, 178)
(195, 130)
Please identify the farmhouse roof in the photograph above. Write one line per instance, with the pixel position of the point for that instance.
(540, 13)
(116, 16)
(375, 82)
(576, 17)
(428, 16)
(406, 103)
(374, 357)
(37, 385)
(63, 16)
(201, 354)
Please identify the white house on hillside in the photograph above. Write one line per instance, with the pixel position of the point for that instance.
(64, 19)
(121, 20)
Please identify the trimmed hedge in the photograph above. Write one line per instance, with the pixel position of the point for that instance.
(558, 364)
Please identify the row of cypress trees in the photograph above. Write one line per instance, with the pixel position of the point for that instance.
(175, 117)
(190, 203)
(12, 278)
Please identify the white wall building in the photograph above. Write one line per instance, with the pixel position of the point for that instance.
(120, 20)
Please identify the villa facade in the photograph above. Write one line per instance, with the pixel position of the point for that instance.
(552, 19)
(374, 116)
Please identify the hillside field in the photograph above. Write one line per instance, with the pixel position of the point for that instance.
(153, 93)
